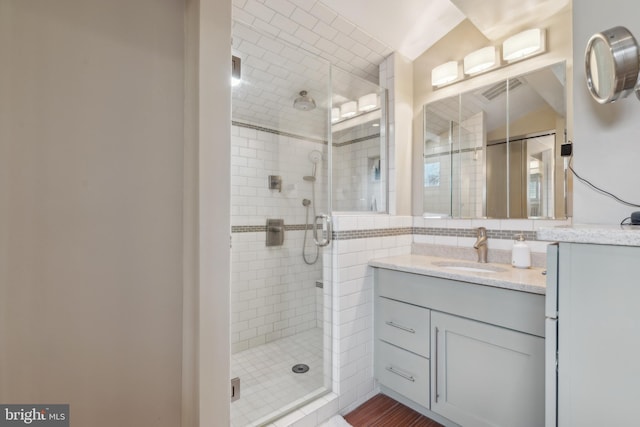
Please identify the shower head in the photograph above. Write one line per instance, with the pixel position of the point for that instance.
(304, 102)
(315, 156)
(306, 202)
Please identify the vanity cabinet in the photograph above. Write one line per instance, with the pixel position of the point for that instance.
(402, 352)
(472, 354)
(485, 375)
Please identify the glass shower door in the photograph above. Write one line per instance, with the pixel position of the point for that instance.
(281, 313)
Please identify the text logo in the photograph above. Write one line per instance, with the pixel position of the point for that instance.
(34, 415)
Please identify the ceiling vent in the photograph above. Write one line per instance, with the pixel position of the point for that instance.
(498, 89)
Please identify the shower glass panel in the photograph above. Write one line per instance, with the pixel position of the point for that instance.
(359, 144)
(280, 301)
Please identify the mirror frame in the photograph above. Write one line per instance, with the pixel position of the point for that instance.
(621, 52)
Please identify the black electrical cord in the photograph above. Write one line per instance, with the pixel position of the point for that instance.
(622, 222)
(600, 190)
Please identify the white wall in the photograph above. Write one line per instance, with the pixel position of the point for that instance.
(91, 154)
(606, 147)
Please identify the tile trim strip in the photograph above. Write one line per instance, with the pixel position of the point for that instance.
(400, 231)
(277, 132)
(304, 138)
(263, 228)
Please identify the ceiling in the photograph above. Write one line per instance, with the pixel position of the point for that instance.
(288, 45)
(412, 26)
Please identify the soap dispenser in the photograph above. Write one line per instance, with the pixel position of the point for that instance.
(521, 254)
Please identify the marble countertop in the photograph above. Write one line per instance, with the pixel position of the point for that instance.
(621, 235)
(503, 275)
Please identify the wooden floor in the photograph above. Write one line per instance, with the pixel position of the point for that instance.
(383, 411)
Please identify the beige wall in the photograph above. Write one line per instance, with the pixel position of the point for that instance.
(91, 197)
(206, 387)
(463, 39)
(403, 112)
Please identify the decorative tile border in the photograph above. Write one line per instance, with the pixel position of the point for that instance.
(400, 231)
(431, 231)
(263, 228)
(472, 232)
(305, 138)
(277, 132)
(366, 234)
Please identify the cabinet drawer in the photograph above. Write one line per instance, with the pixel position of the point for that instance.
(404, 325)
(403, 372)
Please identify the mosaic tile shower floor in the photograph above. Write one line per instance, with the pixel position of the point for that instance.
(267, 382)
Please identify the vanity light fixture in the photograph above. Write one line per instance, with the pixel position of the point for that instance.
(520, 46)
(480, 60)
(367, 102)
(445, 73)
(335, 114)
(524, 44)
(348, 109)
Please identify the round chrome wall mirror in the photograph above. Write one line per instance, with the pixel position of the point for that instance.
(612, 65)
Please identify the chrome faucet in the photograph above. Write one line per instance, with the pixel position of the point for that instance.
(481, 244)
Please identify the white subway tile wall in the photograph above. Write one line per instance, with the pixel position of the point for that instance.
(353, 301)
(273, 291)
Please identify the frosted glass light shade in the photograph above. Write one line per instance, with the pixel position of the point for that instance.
(524, 44)
(445, 73)
(348, 109)
(480, 60)
(335, 114)
(367, 102)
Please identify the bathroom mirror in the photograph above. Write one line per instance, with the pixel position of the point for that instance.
(495, 151)
(612, 64)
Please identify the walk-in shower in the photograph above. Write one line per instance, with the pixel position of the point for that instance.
(280, 301)
(281, 296)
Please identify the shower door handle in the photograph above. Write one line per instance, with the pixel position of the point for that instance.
(325, 230)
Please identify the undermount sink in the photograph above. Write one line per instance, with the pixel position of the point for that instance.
(469, 267)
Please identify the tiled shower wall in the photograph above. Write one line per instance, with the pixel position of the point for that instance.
(357, 186)
(273, 291)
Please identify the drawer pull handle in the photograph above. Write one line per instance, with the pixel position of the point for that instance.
(404, 328)
(402, 374)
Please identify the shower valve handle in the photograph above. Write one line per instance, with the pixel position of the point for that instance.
(325, 229)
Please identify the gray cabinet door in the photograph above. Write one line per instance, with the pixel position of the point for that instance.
(484, 375)
(598, 335)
